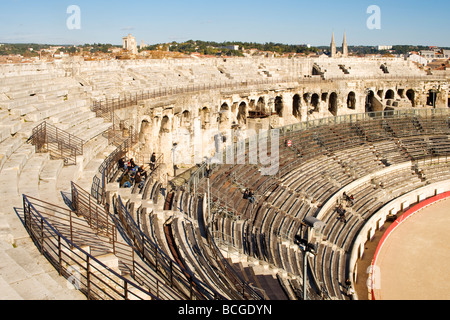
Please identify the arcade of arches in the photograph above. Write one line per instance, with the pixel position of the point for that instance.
(257, 109)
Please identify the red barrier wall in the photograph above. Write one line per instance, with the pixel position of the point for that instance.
(400, 220)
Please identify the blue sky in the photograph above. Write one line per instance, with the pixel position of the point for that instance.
(286, 21)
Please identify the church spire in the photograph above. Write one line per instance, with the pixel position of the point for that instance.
(333, 47)
(344, 46)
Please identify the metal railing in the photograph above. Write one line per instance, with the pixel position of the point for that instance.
(58, 143)
(102, 223)
(63, 243)
(176, 276)
(106, 108)
(108, 168)
(200, 172)
(245, 289)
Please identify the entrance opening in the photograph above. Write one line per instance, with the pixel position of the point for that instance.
(165, 125)
(242, 113)
(351, 101)
(315, 102)
(223, 115)
(260, 105)
(185, 119)
(370, 101)
(296, 104)
(389, 94)
(411, 95)
(204, 117)
(333, 104)
(279, 106)
(432, 97)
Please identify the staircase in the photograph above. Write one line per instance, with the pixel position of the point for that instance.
(58, 143)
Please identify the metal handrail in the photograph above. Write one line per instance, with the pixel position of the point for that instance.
(200, 171)
(59, 143)
(88, 274)
(108, 167)
(104, 224)
(150, 252)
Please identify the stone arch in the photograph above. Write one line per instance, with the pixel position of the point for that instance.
(261, 105)
(205, 115)
(333, 104)
(370, 101)
(306, 97)
(296, 106)
(390, 94)
(380, 93)
(224, 114)
(242, 113)
(185, 119)
(156, 122)
(252, 105)
(315, 102)
(145, 130)
(279, 106)
(432, 97)
(145, 126)
(411, 95)
(351, 100)
(165, 125)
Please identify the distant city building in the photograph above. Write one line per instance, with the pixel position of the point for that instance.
(418, 59)
(130, 44)
(232, 47)
(435, 54)
(446, 54)
(381, 48)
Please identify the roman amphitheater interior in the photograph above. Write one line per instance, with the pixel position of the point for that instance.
(377, 129)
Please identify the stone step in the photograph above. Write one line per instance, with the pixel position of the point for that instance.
(21, 281)
(48, 181)
(37, 267)
(29, 177)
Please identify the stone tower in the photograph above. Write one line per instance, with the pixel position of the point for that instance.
(333, 47)
(344, 46)
(130, 44)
